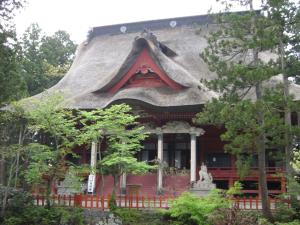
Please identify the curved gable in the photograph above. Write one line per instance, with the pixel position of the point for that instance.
(145, 73)
(146, 66)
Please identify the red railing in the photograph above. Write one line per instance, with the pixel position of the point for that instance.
(143, 202)
(251, 203)
(101, 202)
(227, 172)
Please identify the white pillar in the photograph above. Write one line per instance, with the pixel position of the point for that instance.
(94, 157)
(92, 177)
(193, 158)
(160, 153)
(123, 183)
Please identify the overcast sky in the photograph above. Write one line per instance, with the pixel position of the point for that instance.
(78, 16)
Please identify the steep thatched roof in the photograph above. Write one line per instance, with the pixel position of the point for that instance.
(174, 45)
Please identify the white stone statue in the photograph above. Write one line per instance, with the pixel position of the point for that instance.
(204, 184)
(204, 175)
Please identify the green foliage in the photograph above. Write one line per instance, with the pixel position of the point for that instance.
(12, 84)
(296, 160)
(58, 50)
(41, 216)
(236, 189)
(113, 202)
(18, 199)
(234, 216)
(59, 126)
(137, 217)
(41, 160)
(7, 13)
(190, 209)
(295, 222)
(250, 106)
(123, 135)
(284, 213)
(45, 59)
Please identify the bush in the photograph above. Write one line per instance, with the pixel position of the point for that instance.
(137, 217)
(233, 216)
(17, 199)
(283, 213)
(295, 222)
(189, 209)
(42, 216)
(113, 202)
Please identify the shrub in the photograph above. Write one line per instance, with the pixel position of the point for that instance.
(42, 216)
(189, 209)
(137, 217)
(295, 222)
(233, 216)
(283, 213)
(17, 199)
(113, 202)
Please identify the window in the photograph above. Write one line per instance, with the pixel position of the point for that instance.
(218, 160)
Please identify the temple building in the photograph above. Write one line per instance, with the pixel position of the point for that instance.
(155, 67)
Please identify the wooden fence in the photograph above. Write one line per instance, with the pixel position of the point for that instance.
(142, 202)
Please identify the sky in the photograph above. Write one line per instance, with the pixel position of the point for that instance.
(78, 16)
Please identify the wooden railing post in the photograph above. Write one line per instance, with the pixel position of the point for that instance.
(108, 201)
(78, 200)
(102, 202)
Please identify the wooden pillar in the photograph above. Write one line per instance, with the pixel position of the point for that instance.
(259, 190)
(193, 158)
(83, 153)
(283, 184)
(230, 182)
(160, 154)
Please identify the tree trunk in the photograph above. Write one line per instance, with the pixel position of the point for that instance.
(260, 144)
(2, 170)
(287, 114)
(48, 192)
(4, 200)
(20, 142)
(116, 179)
(101, 171)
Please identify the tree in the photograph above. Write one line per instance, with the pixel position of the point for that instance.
(11, 83)
(119, 128)
(45, 59)
(7, 10)
(12, 136)
(55, 135)
(285, 19)
(242, 76)
(32, 61)
(58, 50)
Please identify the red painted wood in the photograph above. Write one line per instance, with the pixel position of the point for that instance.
(102, 202)
(243, 203)
(143, 65)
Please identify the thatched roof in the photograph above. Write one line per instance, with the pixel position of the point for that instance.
(174, 44)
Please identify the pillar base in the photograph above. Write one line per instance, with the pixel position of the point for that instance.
(123, 190)
(160, 191)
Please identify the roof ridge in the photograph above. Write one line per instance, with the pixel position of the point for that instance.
(157, 24)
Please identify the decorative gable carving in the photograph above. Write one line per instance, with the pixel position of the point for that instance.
(145, 73)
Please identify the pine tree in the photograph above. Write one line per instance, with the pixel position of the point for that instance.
(250, 105)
